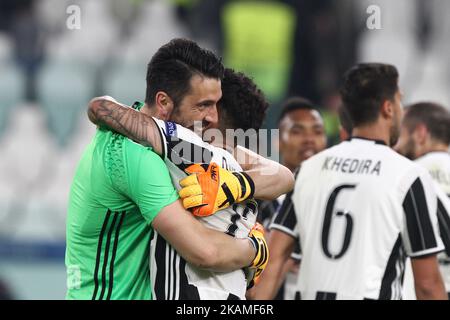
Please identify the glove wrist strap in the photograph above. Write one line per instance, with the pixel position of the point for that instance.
(255, 245)
(247, 185)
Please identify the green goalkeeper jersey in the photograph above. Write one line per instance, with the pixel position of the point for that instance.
(118, 189)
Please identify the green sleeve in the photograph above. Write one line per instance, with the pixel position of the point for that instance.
(149, 180)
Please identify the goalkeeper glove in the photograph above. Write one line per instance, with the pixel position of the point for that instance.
(210, 188)
(254, 271)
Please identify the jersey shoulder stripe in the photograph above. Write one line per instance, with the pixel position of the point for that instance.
(418, 221)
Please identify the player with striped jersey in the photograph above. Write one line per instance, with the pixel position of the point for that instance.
(361, 208)
(172, 276)
(425, 138)
(122, 191)
(302, 134)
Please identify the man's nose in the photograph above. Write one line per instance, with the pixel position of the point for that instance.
(309, 138)
(212, 116)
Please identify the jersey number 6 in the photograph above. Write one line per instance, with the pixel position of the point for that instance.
(327, 223)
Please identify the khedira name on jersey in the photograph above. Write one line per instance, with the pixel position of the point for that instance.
(349, 165)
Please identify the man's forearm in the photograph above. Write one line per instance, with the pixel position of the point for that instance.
(435, 293)
(271, 186)
(231, 253)
(271, 178)
(202, 247)
(135, 125)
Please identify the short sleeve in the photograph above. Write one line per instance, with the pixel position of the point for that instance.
(443, 215)
(286, 220)
(150, 185)
(420, 231)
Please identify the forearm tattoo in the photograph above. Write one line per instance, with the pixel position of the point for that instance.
(129, 122)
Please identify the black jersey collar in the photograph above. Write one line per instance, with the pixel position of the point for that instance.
(367, 139)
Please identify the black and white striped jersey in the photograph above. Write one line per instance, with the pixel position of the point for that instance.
(438, 165)
(285, 221)
(172, 276)
(361, 210)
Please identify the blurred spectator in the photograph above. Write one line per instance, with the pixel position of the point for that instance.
(325, 46)
(5, 293)
(290, 47)
(19, 18)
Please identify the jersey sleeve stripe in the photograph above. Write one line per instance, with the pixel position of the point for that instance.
(296, 256)
(425, 253)
(286, 216)
(419, 227)
(283, 229)
(444, 226)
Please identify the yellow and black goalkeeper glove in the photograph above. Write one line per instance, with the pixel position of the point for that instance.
(254, 271)
(210, 188)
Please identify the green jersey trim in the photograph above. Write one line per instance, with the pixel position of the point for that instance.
(105, 261)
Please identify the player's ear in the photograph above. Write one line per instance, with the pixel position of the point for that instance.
(387, 109)
(421, 133)
(343, 135)
(164, 105)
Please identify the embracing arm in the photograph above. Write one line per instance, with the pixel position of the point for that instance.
(271, 178)
(107, 112)
(199, 245)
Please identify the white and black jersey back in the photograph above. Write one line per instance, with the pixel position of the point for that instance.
(172, 277)
(361, 209)
(438, 165)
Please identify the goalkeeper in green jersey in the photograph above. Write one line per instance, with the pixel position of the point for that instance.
(122, 191)
(242, 106)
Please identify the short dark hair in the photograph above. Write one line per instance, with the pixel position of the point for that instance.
(434, 116)
(173, 65)
(293, 104)
(345, 120)
(366, 86)
(243, 105)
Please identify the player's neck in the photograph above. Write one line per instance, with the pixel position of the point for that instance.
(436, 147)
(152, 112)
(289, 166)
(372, 132)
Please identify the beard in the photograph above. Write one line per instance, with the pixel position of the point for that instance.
(409, 150)
(393, 139)
(395, 131)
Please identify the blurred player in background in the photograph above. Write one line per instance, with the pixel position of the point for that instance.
(242, 106)
(122, 191)
(362, 208)
(425, 138)
(302, 135)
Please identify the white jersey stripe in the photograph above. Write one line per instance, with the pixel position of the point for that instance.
(166, 284)
(177, 275)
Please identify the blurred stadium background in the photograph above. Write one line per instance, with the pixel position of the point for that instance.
(48, 73)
